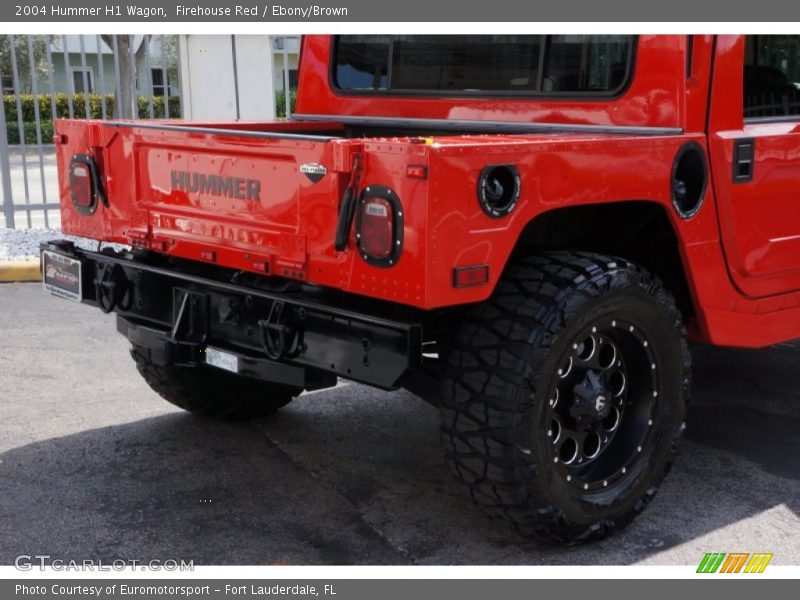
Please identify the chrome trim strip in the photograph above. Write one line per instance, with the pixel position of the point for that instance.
(489, 126)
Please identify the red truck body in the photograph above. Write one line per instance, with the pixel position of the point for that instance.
(739, 259)
(523, 233)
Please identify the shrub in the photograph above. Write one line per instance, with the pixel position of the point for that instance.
(12, 130)
(28, 102)
(280, 102)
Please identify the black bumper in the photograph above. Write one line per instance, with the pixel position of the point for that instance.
(175, 314)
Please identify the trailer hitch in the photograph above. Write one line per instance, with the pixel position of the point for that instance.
(282, 332)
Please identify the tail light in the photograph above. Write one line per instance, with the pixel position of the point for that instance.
(84, 184)
(376, 232)
(379, 226)
(81, 186)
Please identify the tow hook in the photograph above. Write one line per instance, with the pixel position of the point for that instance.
(282, 333)
(112, 288)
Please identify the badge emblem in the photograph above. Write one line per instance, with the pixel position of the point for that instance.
(314, 171)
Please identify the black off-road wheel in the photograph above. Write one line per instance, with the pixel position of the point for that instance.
(566, 394)
(213, 393)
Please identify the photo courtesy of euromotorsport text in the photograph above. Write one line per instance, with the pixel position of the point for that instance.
(186, 590)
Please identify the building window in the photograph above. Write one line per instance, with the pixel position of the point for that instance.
(8, 84)
(78, 80)
(280, 80)
(772, 76)
(157, 75)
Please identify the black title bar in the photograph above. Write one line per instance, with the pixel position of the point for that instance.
(353, 11)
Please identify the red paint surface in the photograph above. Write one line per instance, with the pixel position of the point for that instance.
(741, 252)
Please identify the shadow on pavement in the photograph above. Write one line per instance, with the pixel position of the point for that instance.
(347, 477)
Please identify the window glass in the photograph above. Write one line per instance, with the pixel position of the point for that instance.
(586, 63)
(772, 76)
(77, 80)
(8, 85)
(476, 64)
(157, 75)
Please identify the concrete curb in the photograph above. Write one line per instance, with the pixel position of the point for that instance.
(20, 270)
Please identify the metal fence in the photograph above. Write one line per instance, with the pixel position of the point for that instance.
(82, 76)
(776, 104)
(76, 76)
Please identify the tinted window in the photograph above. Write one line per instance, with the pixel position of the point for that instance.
(586, 63)
(78, 79)
(772, 75)
(476, 64)
(157, 81)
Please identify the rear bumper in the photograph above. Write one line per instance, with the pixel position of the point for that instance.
(176, 314)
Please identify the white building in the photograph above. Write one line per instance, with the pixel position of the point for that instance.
(235, 76)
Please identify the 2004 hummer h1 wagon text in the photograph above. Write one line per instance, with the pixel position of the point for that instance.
(523, 230)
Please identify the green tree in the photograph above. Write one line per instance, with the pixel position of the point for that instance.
(169, 56)
(127, 56)
(24, 59)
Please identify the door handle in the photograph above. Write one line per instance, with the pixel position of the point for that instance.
(744, 154)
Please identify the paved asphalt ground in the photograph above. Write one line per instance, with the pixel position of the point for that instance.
(95, 465)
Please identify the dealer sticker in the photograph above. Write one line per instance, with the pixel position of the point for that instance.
(61, 275)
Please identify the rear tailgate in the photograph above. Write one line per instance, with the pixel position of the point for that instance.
(232, 197)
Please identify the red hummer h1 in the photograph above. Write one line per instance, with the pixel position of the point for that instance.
(523, 230)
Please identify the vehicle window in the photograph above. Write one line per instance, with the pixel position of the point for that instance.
(586, 63)
(772, 76)
(480, 64)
